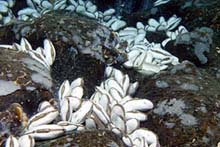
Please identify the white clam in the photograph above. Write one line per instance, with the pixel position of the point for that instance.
(44, 132)
(43, 117)
(12, 142)
(173, 35)
(111, 106)
(91, 122)
(25, 46)
(118, 24)
(66, 109)
(162, 25)
(68, 126)
(64, 89)
(45, 55)
(77, 92)
(90, 7)
(136, 115)
(138, 104)
(149, 136)
(4, 3)
(118, 118)
(105, 102)
(80, 115)
(101, 113)
(6, 14)
(26, 140)
(49, 52)
(109, 12)
(160, 2)
(59, 5)
(132, 125)
(46, 4)
(5, 46)
(43, 105)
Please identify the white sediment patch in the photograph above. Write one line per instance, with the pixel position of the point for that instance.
(176, 107)
(7, 87)
(189, 86)
(188, 120)
(173, 107)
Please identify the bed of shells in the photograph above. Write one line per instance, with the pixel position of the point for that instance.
(113, 105)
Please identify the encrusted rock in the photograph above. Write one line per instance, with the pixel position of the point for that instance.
(67, 30)
(186, 113)
(89, 138)
(23, 80)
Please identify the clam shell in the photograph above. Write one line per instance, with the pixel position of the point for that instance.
(137, 104)
(79, 116)
(68, 126)
(118, 117)
(77, 92)
(59, 5)
(46, 4)
(41, 118)
(3, 8)
(115, 94)
(64, 89)
(27, 141)
(45, 132)
(109, 12)
(118, 24)
(66, 109)
(131, 125)
(77, 82)
(11, 142)
(148, 136)
(136, 115)
(49, 52)
(90, 123)
(101, 113)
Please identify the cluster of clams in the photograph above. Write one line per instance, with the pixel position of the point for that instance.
(110, 107)
(153, 58)
(6, 14)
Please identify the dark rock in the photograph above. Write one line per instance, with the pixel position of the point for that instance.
(70, 30)
(23, 80)
(71, 68)
(187, 112)
(89, 138)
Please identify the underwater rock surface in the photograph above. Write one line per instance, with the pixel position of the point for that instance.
(70, 66)
(187, 106)
(70, 30)
(12, 121)
(89, 138)
(24, 83)
(23, 80)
